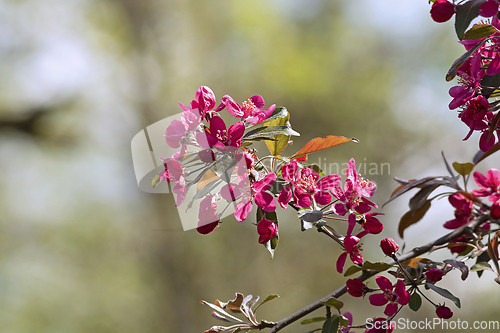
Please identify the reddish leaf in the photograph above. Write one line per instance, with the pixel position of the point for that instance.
(409, 185)
(412, 216)
(317, 144)
(413, 262)
(482, 155)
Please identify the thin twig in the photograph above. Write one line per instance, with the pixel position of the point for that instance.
(369, 273)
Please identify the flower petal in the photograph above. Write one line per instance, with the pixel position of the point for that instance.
(378, 299)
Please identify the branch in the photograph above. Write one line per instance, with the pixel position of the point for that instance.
(369, 273)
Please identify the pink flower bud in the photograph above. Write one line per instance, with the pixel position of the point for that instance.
(434, 274)
(205, 98)
(442, 11)
(267, 230)
(356, 287)
(495, 211)
(444, 312)
(389, 246)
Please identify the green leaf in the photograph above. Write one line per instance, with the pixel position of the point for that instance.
(452, 72)
(279, 112)
(318, 329)
(376, 266)
(344, 322)
(279, 118)
(463, 168)
(465, 13)
(331, 325)
(379, 266)
(334, 303)
(260, 138)
(352, 270)
(445, 293)
(268, 299)
(480, 266)
(156, 181)
(415, 301)
(269, 132)
(412, 216)
(312, 320)
(480, 31)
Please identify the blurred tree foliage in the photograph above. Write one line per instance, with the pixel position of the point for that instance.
(83, 250)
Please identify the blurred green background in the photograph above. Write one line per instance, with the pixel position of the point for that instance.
(82, 249)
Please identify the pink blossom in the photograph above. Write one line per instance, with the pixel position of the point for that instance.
(434, 274)
(463, 211)
(174, 134)
(486, 141)
(444, 312)
(459, 248)
(174, 173)
(495, 211)
(442, 11)
(352, 248)
(257, 192)
(251, 110)
(489, 8)
(218, 136)
(207, 215)
(470, 77)
(356, 188)
(356, 287)
(394, 297)
(371, 223)
(267, 230)
(475, 114)
(203, 102)
(389, 246)
(304, 184)
(490, 184)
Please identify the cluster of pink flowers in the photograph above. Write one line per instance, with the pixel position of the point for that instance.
(476, 74)
(223, 149)
(464, 204)
(394, 296)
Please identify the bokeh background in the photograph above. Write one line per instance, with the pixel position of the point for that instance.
(82, 249)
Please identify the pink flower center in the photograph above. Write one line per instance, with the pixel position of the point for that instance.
(306, 183)
(221, 135)
(247, 107)
(390, 296)
(362, 181)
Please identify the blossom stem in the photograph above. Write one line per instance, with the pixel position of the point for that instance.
(427, 298)
(369, 273)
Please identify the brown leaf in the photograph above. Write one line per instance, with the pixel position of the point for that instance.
(317, 144)
(412, 216)
(235, 304)
(411, 184)
(413, 262)
(208, 177)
